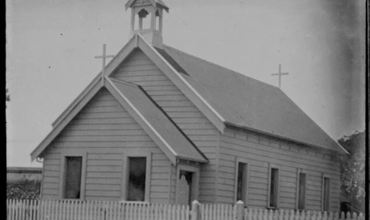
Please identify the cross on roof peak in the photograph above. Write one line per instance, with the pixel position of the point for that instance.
(103, 57)
(279, 74)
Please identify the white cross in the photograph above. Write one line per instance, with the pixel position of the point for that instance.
(279, 74)
(103, 57)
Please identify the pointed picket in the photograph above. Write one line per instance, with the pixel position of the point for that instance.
(115, 210)
(361, 216)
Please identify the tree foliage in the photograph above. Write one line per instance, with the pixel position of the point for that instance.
(353, 170)
(25, 189)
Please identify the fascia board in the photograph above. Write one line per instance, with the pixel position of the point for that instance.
(76, 100)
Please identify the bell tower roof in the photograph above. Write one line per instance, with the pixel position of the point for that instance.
(139, 3)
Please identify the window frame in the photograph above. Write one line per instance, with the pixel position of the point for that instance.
(270, 167)
(125, 175)
(63, 158)
(301, 171)
(324, 176)
(237, 161)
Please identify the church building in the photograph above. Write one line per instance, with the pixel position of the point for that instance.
(159, 125)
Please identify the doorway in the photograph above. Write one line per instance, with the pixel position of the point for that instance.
(187, 185)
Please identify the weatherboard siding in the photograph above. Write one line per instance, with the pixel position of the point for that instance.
(139, 69)
(260, 152)
(173, 180)
(106, 132)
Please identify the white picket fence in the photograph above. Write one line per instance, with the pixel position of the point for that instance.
(114, 210)
(92, 210)
(237, 212)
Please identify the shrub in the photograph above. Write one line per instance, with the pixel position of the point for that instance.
(25, 189)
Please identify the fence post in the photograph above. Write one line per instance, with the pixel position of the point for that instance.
(239, 210)
(195, 210)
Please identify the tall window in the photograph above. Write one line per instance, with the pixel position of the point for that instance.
(301, 190)
(136, 180)
(72, 182)
(241, 189)
(326, 194)
(274, 188)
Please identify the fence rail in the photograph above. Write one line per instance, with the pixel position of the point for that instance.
(115, 210)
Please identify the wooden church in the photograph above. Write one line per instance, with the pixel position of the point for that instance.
(161, 126)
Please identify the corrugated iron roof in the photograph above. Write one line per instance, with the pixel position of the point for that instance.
(171, 61)
(249, 103)
(180, 144)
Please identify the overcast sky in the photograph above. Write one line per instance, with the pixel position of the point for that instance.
(51, 46)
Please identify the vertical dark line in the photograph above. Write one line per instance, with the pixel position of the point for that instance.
(367, 115)
(3, 154)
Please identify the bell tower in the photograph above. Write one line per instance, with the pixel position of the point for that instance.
(143, 11)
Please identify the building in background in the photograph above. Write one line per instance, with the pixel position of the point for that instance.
(17, 174)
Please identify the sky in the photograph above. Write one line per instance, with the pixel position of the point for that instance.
(51, 46)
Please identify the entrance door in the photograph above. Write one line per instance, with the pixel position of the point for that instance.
(185, 187)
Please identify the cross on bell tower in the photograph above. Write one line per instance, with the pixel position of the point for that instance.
(147, 9)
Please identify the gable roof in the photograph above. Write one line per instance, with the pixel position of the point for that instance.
(157, 125)
(137, 41)
(174, 143)
(248, 103)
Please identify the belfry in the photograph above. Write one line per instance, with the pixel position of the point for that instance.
(147, 9)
